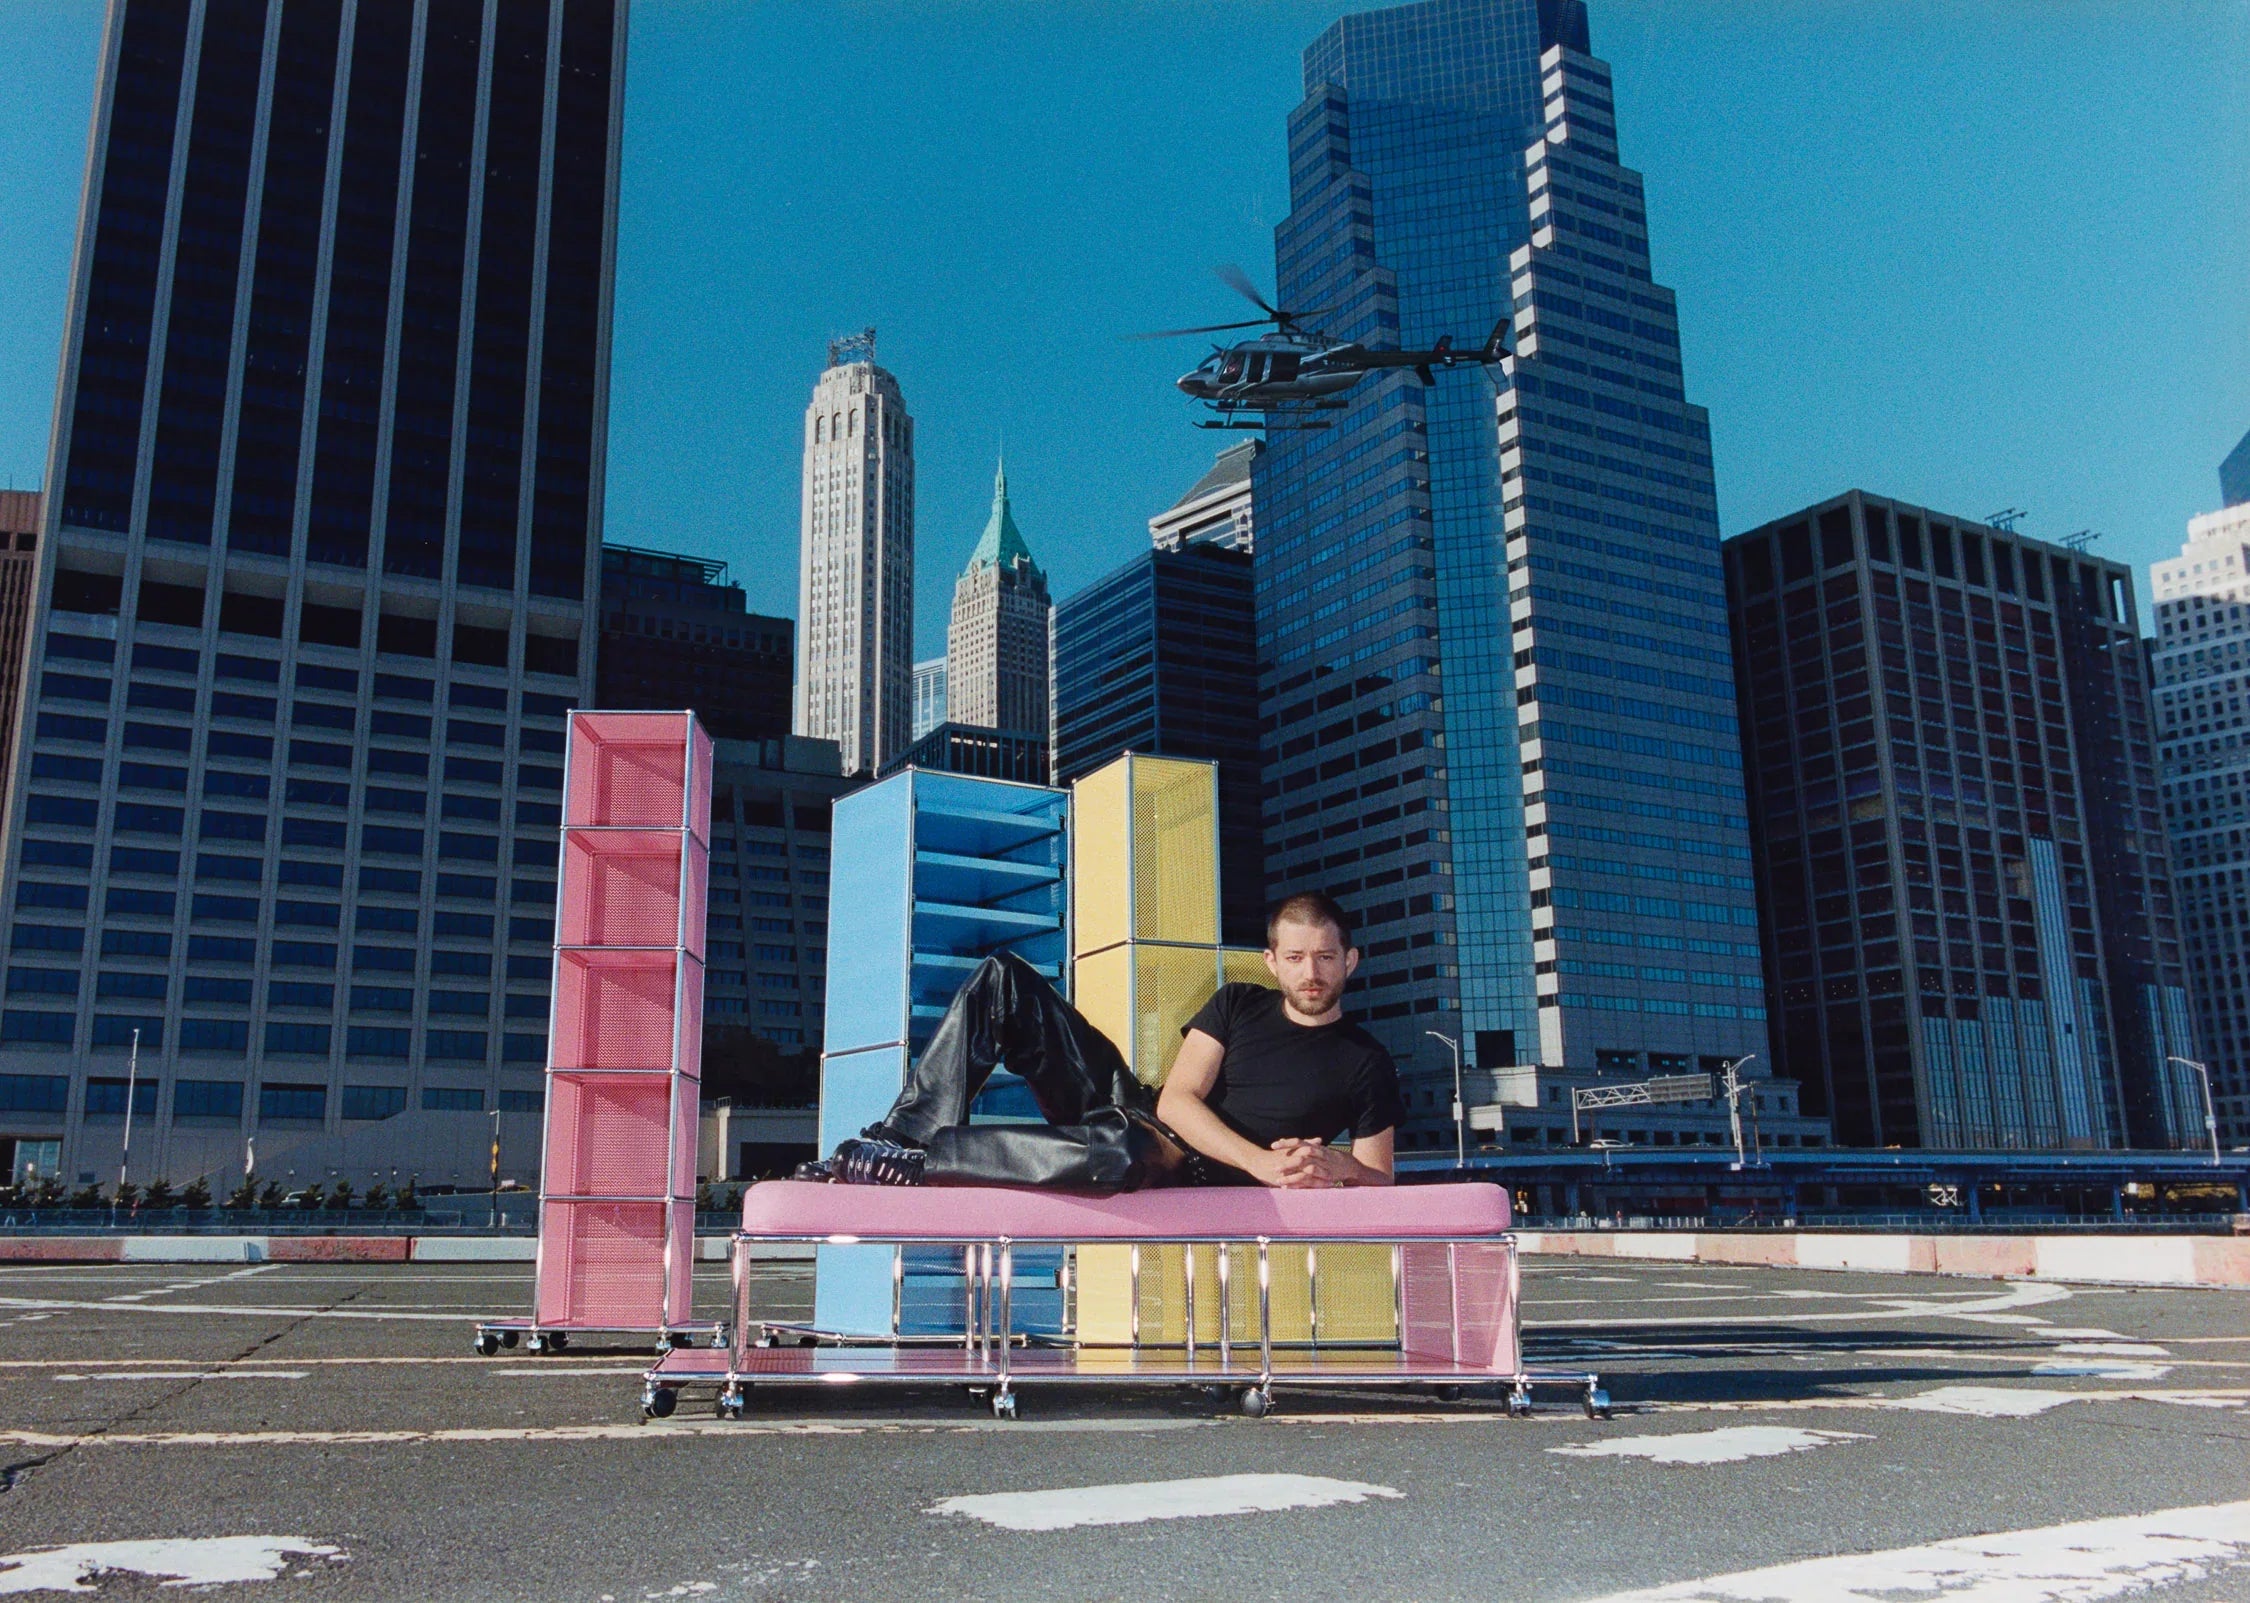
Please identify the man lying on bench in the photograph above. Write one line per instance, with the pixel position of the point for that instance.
(1263, 1080)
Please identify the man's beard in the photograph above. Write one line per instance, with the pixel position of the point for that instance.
(1313, 999)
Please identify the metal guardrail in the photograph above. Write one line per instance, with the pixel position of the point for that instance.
(294, 1222)
(1992, 1224)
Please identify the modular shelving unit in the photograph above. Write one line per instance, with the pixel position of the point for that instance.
(930, 873)
(625, 1036)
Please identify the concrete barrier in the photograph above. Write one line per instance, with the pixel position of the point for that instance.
(2139, 1260)
(474, 1249)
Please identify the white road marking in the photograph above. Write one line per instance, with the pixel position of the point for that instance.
(2022, 1294)
(2102, 1369)
(242, 1310)
(2077, 1563)
(541, 1371)
(1987, 1402)
(192, 1374)
(2066, 1333)
(1729, 1444)
(1132, 1502)
(179, 1561)
(2112, 1349)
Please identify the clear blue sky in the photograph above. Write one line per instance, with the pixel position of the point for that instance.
(1974, 254)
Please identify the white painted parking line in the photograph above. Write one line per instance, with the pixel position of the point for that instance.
(178, 1561)
(1133, 1502)
(1988, 1402)
(2102, 1369)
(1730, 1444)
(2077, 1563)
(193, 1374)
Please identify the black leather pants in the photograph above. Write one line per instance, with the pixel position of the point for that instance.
(1101, 1132)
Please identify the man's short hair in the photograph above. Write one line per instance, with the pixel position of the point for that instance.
(1308, 907)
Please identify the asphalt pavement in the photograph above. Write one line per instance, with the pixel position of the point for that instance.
(325, 1432)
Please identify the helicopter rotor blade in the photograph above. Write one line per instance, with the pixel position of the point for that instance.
(1207, 328)
(1237, 280)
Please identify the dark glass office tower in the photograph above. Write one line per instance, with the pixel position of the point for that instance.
(1161, 657)
(1967, 897)
(1446, 563)
(675, 633)
(315, 591)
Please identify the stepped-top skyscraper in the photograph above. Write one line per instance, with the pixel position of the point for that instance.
(1500, 717)
(997, 644)
(315, 592)
(855, 579)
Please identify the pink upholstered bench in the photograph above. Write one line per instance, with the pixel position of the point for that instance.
(1453, 1282)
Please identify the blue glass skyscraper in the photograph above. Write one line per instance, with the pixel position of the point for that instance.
(1500, 719)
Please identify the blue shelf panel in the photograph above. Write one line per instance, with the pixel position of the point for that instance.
(980, 832)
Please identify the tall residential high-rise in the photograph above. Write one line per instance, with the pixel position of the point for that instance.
(1161, 657)
(21, 517)
(998, 641)
(929, 695)
(1217, 507)
(1497, 686)
(1961, 862)
(855, 580)
(2234, 475)
(675, 633)
(2201, 659)
(321, 542)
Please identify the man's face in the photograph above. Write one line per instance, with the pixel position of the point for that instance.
(1310, 963)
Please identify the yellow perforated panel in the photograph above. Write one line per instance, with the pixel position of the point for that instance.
(1353, 1286)
(1101, 986)
(1101, 909)
(1171, 985)
(1242, 966)
(1175, 851)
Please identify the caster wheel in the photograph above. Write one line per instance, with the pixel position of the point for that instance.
(1597, 1403)
(1256, 1404)
(508, 1338)
(659, 1401)
(808, 1341)
(680, 1338)
(767, 1338)
(556, 1341)
(535, 1343)
(731, 1403)
(1519, 1406)
(1003, 1405)
(663, 1345)
(1446, 1394)
(486, 1343)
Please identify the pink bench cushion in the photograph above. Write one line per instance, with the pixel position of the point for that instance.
(1236, 1213)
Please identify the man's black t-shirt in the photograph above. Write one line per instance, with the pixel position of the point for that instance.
(1285, 1079)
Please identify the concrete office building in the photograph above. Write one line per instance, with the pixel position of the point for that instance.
(855, 579)
(929, 695)
(315, 590)
(768, 934)
(1217, 507)
(1962, 870)
(2201, 660)
(21, 518)
(675, 633)
(997, 643)
(1161, 657)
(1497, 686)
(972, 749)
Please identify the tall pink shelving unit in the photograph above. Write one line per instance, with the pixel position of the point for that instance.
(625, 1037)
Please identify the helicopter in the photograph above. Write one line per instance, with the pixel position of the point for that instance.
(1296, 372)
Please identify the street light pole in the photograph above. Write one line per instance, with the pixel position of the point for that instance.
(2210, 1118)
(132, 1084)
(1734, 1106)
(1460, 1115)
